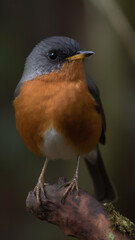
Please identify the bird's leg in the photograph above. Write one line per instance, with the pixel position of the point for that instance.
(40, 184)
(74, 181)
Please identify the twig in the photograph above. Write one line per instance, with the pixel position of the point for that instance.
(120, 23)
(81, 215)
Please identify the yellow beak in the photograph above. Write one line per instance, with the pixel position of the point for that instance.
(80, 55)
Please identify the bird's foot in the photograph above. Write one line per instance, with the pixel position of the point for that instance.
(71, 185)
(40, 184)
(38, 189)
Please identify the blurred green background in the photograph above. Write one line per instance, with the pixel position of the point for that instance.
(107, 29)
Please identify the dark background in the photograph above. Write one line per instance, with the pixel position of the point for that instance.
(98, 27)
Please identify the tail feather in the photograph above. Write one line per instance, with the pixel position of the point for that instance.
(103, 188)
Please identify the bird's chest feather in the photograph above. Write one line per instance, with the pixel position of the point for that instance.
(66, 107)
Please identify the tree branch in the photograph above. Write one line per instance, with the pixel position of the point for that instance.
(80, 215)
(120, 23)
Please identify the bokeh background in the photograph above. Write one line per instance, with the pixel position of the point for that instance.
(106, 27)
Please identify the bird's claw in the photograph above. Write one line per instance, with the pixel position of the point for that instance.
(38, 189)
(71, 185)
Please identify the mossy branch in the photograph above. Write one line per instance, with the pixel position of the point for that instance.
(81, 215)
(119, 222)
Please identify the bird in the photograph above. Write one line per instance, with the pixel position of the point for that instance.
(59, 113)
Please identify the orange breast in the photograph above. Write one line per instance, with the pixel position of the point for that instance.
(60, 100)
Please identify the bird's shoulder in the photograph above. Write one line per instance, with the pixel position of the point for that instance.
(94, 91)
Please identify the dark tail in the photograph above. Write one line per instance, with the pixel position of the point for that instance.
(103, 188)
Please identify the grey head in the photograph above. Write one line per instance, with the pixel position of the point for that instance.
(47, 56)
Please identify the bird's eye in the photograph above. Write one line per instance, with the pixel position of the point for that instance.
(53, 55)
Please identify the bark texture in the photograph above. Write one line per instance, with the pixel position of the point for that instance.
(80, 215)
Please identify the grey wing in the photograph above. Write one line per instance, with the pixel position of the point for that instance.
(93, 89)
(103, 188)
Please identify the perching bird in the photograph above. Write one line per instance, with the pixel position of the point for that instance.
(59, 113)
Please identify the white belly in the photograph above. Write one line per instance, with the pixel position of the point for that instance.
(55, 146)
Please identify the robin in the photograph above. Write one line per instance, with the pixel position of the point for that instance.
(59, 114)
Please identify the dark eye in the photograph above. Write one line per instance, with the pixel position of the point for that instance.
(53, 55)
